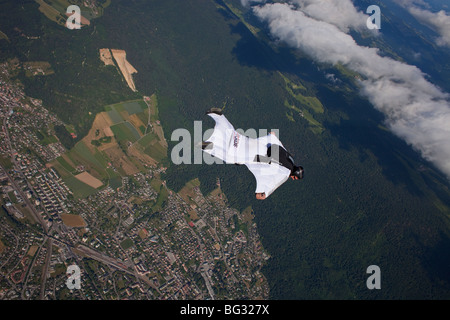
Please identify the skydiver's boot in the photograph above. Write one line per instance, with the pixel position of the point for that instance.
(214, 110)
(207, 145)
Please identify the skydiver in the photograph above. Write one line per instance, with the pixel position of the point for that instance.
(265, 156)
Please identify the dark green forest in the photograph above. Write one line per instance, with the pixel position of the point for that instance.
(363, 200)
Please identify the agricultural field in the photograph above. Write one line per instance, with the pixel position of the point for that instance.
(125, 131)
(124, 139)
(79, 189)
(55, 10)
(136, 126)
(52, 13)
(88, 179)
(73, 220)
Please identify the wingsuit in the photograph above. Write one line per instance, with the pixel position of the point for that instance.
(265, 157)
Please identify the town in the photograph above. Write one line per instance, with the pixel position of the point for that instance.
(194, 247)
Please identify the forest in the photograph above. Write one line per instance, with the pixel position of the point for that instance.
(362, 201)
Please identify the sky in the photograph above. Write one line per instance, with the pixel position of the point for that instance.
(415, 109)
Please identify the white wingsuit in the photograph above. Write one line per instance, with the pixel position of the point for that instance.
(235, 148)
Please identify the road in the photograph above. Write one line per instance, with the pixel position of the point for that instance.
(45, 269)
(14, 185)
(82, 249)
(31, 208)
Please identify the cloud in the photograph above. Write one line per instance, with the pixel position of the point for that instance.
(341, 14)
(332, 78)
(247, 3)
(438, 21)
(407, 3)
(415, 109)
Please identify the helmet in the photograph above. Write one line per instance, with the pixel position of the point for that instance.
(298, 172)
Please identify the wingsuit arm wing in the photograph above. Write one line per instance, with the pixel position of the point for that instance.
(270, 139)
(268, 176)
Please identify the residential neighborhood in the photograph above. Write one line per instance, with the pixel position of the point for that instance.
(137, 241)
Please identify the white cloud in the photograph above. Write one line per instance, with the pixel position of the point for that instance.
(415, 109)
(439, 21)
(341, 13)
(246, 3)
(332, 78)
(407, 3)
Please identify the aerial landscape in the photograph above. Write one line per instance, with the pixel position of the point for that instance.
(92, 177)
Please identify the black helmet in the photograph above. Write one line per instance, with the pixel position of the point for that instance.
(298, 172)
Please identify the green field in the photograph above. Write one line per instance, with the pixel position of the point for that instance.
(67, 172)
(302, 104)
(115, 179)
(162, 197)
(156, 151)
(142, 129)
(79, 189)
(154, 116)
(115, 116)
(162, 191)
(93, 163)
(45, 139)
(151, 145)
(147, 139)
(5, 162)
(295, 91)
(290, 85)
(134, 107)
(316, 126)
(123, 129)
(156, 184)
(51, 12)
(60, 5)
(125, 132)
(66, 165)
(311, 102)
(12, 197)
(126, 244)
(55, 9)
(82, 156)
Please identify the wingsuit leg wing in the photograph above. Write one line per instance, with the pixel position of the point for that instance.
(220, 139)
